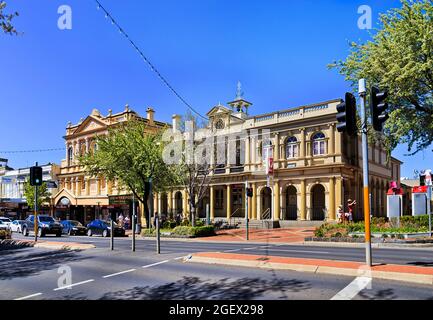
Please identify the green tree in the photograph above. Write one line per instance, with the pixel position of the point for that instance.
(43, 195)
(6, 20)
(131, 155)
(399, 58)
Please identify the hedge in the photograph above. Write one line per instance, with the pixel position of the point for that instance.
(183, 231)
(5, 234)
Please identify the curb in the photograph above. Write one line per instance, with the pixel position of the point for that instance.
(318, 269)
(63, 246)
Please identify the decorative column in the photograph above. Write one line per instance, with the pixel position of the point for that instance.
(78, 186)
(302, 151)
(98, 185)
(185, 201)
(109, 187)
(229, 201)
(160, 202)
(337, 148)
(254, 153)
(254, 203)
(276, 152)
(276, 213)
(247, 154)
(332, 208)
(212, 202)
(303, 201)
(170, 202)
(331, 146)
(87, 145)
(338, 192)
(87, 186)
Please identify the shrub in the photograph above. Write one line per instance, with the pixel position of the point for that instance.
(203, 231)
(199, 223)
(5, 234)
(171, 224)
(185, 223)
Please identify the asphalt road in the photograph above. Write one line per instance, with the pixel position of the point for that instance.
(411, 256)
(99, 273)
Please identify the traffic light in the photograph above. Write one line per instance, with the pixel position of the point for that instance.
(35, 176)
(422, 180)
(249, 192)
(378, 107)
(346, 116)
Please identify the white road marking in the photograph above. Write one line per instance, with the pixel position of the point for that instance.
(298, 251)
(74, 285)
(118, 273)
(28, 297)
(155, 264)
(355, 287)
(253, 248)
(180, 258)
(233, 250)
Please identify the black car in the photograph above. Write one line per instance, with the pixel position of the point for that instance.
(103, 228)
(46, 225)
(73, 228)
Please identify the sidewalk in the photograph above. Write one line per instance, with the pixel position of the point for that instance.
(413, 274)
(55, 245)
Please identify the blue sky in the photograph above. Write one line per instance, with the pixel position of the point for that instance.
(277, 49)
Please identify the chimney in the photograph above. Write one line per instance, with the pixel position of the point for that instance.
(150, 114)
(176, 122)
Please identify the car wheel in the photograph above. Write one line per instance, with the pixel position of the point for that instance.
(89, 233)
(70, 232)
(25, 232)
(105, 233)
(58, 235)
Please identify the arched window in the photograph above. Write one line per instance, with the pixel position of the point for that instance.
(291, 148)
(219, 125)
(319, 144)
(70, 155)
(266, 149)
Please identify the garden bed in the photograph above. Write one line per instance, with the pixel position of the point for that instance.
(182, 232)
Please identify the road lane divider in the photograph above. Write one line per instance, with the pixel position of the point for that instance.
(155, 264)
(29, 296)
(73, 285)
(118, 273)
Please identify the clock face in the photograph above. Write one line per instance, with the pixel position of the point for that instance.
(219, 125)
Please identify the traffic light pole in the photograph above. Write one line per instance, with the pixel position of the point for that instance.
(36, 223)
(247, 218)
(362, 95)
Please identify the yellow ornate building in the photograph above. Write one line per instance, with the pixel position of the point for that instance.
(316, 168)
(85, 198)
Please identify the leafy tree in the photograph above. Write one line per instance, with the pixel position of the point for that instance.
(194, 167)
(6, 20)
(43, 195)
(400, 58)
(132, 155)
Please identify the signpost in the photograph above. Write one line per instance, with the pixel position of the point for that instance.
(428, 183)
(133, 222)
(36, 181)
(246, 209)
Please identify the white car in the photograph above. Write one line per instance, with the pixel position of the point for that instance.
(16, 226)
(3, 226)
(6, 221)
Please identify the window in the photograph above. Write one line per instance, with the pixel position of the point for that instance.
(266, 149)
(70, 154)
(291, 148)
(219, 199)
(219, 125)
(319, 144)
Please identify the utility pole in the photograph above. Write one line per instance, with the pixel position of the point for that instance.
(362, 95)
(158, 235)
(150, 204)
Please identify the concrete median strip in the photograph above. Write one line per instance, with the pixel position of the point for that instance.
(411, 274)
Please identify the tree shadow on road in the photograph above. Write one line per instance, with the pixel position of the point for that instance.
(193, 288)
(31, 263)
(386, 294)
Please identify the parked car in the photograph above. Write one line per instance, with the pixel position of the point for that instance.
(17, 226)
(46, 225)
(6, 221)
(73, 228)
(3, 226)
(103, 228)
